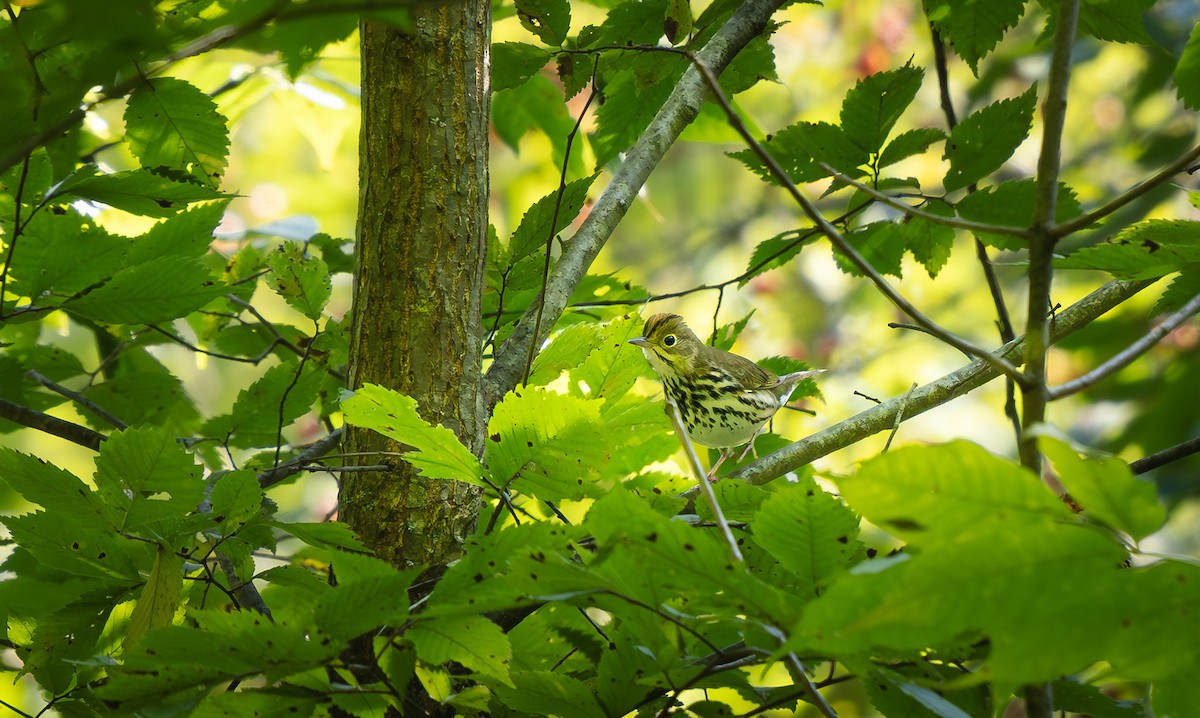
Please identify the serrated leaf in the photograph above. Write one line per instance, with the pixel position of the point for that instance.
(145, 461)
(149, 293)
(677, 25)
(1144, 251)
(325, 534)
(540, 223)
(75, 549)
(64, 253)
(515, 62)
(612, 366)
(159, 599)
(356, 607)
(1113, 20)
(881, 244)
(302, 280)
(549, 445)
(171, 123)
(872, 107)
(266, 703)
(1187, 72)
(1010, 204)
(1180, 291)
(472, 641)
(774, 253)
(545, 692)
(1107, 489)
(929, 242)
(984, 141)
(187, 234)
(155, 398)
(974, 27)
(284, 393)
(921, 493)
(801, 149)
(236, 498)
(810, 533)
(53, 488)
(550, 20)
(135, 191)
(907, 144)
(437, 452)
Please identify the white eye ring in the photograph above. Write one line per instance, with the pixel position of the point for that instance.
(669, 340)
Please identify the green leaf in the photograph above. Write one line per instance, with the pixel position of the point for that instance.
(549, 693)
(515, 62)
(1010, 204)
(1182, 288)
(810, 533)
(160, 597)
(974, 27)
(157, 291)
(880, 243)
(775, 252)
(611, 368)
(550, 20)
(678, 23)
(1187, 72)
(1146, 250)
(187, 234)
(236, 499)
(327, 534)
(437, 452)
(155, 398)
(873, 106)
(982, 142)
(1091, 700)
(54, 489)
(907, 144)
(801, 148)
(929, 242)
(473, 641)
(170, 123)
(549, 445)
(303, 281)
(265, 703)
(353, 608)
(64, 253)
(135, 191)
(540, 221)
(284, 393)
(1107, 489)
(926, 493)
(143, 461)
(1113, 20)
(73, 548)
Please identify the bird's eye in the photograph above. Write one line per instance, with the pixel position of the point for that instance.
(669, 340)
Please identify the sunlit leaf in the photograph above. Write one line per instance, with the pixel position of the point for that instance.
(171, 123)
(986, 138)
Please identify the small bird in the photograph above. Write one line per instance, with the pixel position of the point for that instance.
(725, 400)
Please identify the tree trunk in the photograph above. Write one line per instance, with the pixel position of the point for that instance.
(422, 242)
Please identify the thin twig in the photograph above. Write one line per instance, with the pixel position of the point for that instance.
(74, 433)
(1123, 358)
(1166, 456)
(955, 222)
(1090, 218)
(76, 397)
(796, 670)
(702, 481)
(899, 418)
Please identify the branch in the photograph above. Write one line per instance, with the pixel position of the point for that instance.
(270, 477)
(1166, 456)
(1127, 355)
(78, 398)
(1129, 195)
(63, 429)
(882, 417)
(955, 222)
(747, 22)
(702, 482)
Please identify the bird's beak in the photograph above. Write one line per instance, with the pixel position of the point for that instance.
(640, 341)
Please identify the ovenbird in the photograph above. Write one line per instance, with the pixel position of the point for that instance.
(725, 400)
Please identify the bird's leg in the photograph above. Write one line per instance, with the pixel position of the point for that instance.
(712, 473)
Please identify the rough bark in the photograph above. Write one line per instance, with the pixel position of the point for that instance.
(422, 240)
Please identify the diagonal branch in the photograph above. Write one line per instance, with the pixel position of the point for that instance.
(1124, 357)
(747, 22)
(882, 417)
